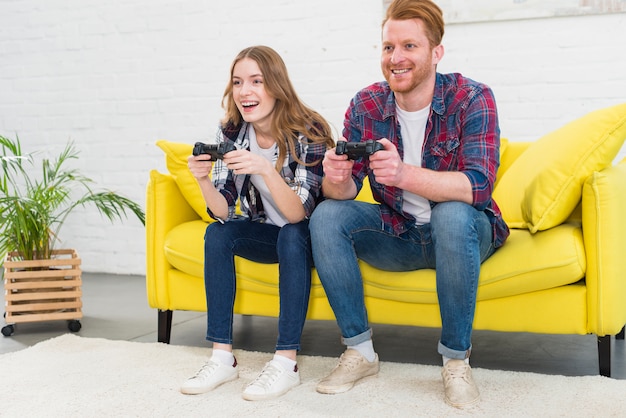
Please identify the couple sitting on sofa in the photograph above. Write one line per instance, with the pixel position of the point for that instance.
(432, 176)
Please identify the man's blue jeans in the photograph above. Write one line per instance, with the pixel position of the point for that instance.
(290, 246)
(455, 243)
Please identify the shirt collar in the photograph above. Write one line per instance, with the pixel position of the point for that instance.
(389, 109)
(439, 105)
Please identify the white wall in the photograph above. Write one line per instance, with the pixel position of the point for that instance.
(544, 72)
(116, 76)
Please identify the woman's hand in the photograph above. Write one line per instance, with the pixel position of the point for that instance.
(200, 165)
(245, 162)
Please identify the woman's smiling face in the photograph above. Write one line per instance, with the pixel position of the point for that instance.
(253, 101)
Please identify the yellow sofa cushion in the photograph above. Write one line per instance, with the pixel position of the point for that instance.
(176, 162)
(544, 185)
(527, 263)
(184, 250)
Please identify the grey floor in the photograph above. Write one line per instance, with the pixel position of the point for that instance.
(115, 307)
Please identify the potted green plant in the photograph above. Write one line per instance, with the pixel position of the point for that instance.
(41, 281)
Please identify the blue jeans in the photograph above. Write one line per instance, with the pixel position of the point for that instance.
(455, 243)
(290, 246)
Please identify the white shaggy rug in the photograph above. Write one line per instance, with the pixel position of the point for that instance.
(71, 376)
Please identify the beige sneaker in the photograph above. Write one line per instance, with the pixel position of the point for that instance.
(351, 368)
(461, 391)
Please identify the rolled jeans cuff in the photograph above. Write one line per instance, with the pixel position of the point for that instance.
(453, 354)
(357, 339)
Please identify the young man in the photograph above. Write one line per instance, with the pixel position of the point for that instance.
(432, 180)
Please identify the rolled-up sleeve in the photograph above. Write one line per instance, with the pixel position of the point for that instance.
(480, 146)
(307, 181)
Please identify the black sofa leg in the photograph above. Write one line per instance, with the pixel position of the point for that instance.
(165, 326)
(620, 335)
(604, 355)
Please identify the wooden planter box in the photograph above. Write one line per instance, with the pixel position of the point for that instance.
(43, 290)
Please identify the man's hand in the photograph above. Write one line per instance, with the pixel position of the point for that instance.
(337, 168)
(387, 165)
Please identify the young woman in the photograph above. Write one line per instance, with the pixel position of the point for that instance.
(275, 173)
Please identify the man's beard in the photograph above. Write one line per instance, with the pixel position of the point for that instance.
(418, 75)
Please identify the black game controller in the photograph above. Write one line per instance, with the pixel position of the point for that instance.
(356, 150)
(216, 151)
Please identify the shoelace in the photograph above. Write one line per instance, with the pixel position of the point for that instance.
(207, 369)
(267, 376)
(453, 373)
(349, 363)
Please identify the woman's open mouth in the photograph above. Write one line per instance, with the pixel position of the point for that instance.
(249, 105)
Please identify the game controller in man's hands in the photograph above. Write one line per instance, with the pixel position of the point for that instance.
(216, 151)
(355, 150)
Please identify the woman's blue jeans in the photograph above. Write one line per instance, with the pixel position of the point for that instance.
(290, 246)
(455, 243)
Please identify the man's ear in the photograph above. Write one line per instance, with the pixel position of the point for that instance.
(437, 54)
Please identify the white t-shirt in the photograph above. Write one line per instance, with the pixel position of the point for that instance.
(413, 131)
(274, 216)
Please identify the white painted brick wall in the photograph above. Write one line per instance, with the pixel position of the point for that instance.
(116, 76)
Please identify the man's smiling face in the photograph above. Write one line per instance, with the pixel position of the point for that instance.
(407, 59)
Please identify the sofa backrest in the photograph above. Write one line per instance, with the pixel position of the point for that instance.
(540, 187)
(539, 183)
(509, 152)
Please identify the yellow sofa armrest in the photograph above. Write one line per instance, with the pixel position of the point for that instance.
(604, 232)
(165, 208)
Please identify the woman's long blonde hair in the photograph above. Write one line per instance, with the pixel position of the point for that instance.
(290, 115)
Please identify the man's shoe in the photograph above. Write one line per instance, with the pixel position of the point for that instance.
(351, 368)
(210, 376)
(461, 391)
(273, 381)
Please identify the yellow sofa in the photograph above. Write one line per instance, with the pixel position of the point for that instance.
(562, 270)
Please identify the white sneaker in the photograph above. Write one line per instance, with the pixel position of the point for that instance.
(273, 381)
(210, 376)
